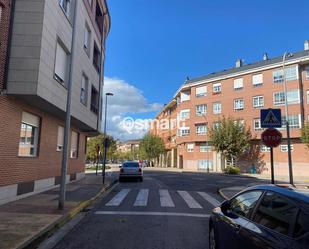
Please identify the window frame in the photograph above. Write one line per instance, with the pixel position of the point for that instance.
(77, 144)
(201, 125)
(254, 122)
(189, 149)
(216, 111)
(241, 107)
(200, 113)
(239, 81)
(86, 80)
(202, 94)
(63, 82)
(307, 96)
(87, 47)
(286, 146)
(258, 97)
(256, 76)
(216, 88)
(61, 143)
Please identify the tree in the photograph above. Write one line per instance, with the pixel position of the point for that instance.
(151, 147)
(305, 134)
(230, 137)
(99, 141)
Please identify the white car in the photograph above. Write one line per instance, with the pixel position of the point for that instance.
(131, 169)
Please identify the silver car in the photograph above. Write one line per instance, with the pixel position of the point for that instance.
(131, 170)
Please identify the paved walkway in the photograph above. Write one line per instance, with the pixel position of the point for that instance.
(25, 220)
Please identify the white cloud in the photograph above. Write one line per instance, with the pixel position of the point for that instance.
(127, 100)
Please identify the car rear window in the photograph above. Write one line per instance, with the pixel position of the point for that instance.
(131, 165)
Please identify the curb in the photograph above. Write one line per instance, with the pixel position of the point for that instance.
(40, 236)
(220, 191)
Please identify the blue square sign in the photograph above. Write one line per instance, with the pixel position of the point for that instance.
(271, 118)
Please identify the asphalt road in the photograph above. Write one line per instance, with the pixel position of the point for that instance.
(166, 211)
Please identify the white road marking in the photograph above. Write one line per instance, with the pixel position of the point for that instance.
(209, 198)
(142, 198)
(189, 199)
(165, 198)
(118, 198)
(151, 214)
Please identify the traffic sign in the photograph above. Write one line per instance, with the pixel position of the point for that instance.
(271, 118)
(271, 137)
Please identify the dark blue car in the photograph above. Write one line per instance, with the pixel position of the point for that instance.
(262, 217)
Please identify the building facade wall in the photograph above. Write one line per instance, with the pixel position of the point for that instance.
(190, 159)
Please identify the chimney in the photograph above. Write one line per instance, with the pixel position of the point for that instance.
(306, 45)
(265, 57)
(239, 63)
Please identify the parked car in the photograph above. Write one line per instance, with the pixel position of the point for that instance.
(131, 169)
(267, 216)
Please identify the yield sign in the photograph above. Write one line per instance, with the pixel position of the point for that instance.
(271, 118)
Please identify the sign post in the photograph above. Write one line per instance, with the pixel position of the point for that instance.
(97, 148)
(271, 118)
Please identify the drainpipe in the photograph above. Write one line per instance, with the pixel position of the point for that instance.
(9, 48)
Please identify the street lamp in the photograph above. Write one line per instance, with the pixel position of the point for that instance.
(287, 55)
(207, 159)
(105, 137)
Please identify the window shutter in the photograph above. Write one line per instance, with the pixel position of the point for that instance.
(61, 62)
(257, 79)
(201, 91)
(30, 119)
(238, 83)
(184, 96)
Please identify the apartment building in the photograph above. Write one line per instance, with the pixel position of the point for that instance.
(128, 146)
(241, 92)
(38, 42)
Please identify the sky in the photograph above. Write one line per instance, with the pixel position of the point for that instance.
(154, 45)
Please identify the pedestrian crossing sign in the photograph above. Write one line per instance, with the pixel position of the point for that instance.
(271, 118)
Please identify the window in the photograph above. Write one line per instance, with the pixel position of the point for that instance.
(307, 72)
(244, 204)
(284, 148)
(294, 121)
(257, 80)
(185, 114)
(96, 58)
(238, 104)
(258, 101)
(201, 110)
(183, 131)
(205, 164)
(84, 90)
(94, 100)
(257, 124)
(184, 96)
(301, 225)
(291, 73)
(279, 98)
(201, 129)
(276, 213)
(60, 138)
(29, 135)
(190, 147)
(265, 148)
(99, 17)
(201, 91)
(74, 144)
(66, 6)
(87, 38)
(215, 125)
(61, 64)
(204, 147)
(307, 96)
(293, 96)
(216, 88)
(216, 108)
(238, 84)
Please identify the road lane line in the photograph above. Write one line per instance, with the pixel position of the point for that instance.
(142, 198)
(189, 199)
(118, 198)
(151, 214)
(209, 198)
(165, 198)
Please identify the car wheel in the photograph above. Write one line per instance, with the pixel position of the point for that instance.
(212, 239)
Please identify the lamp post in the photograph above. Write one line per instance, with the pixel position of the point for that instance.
(286, 54)
(105, 137)
(207, 159)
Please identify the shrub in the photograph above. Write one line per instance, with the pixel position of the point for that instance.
(232, 170)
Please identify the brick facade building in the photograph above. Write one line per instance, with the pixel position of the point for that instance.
(35, 60)
(239, 92)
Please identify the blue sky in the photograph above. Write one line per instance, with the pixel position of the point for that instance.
(154, 44)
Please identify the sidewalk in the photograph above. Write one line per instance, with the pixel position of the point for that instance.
(25, 220)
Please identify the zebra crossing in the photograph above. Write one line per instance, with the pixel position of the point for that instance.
(166, 200)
